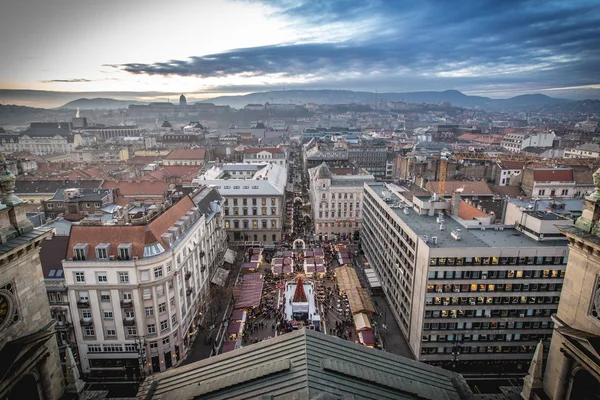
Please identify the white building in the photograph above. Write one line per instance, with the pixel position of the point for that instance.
(515, 142)
(265, 155)
(254, 199)
(143, 284)
(41, 138)
(587, 150)
(336, 200)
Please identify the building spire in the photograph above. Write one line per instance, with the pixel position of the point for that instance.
(533, 380)
(299, 294)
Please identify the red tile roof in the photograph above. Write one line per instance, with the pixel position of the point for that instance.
(186, 154)
(469, 187)
(468, 212)
(553, 175)
(512, 164)
(137, 189)
(137, 235)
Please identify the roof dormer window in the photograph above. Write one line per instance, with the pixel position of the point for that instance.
(80, 251)
(125, 251)
(102, 251)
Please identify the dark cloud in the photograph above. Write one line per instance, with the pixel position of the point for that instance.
(457, 43)
(76, 80)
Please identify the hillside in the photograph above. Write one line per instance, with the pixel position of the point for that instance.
(575, 107)
(455, 97)
(98, 104)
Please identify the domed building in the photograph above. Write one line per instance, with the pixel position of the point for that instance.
(182, 101)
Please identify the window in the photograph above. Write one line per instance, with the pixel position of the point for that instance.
(153, 345)
(108, 314)
(149, 311)
(87, 314)
(158, 272)
(147, 294)
(151, 329)
(172, 301)
(160, 290)
(111, 332)
(102, 251)
(165, 341)
(94, 348)
(164, 325)
(79, 277)
(105, 296)
(173, 320)
(169, 267)
(144, 276)
(89, 331)
(255, 224)
(541, 192)
(130, 348)
(123, 277)
(273, 224)
(125, 251)
(101, 277)
(80, 251)
(162, 307)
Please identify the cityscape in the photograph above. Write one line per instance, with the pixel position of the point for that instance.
(383, 200)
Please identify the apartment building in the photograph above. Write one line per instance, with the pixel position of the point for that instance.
(476, 299)
(515, 142)
(136, 291)
(587, 150)
(254, 199)
(336, 198)
(559, 183)
(77, 201)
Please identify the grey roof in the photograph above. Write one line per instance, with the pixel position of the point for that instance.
(305, 364)
(323, 171)
(86, 195)
(51, 186)
(427, 225)
(23, 239)
(205, 201)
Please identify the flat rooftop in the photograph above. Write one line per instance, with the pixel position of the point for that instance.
(545, 216)
(426, 225)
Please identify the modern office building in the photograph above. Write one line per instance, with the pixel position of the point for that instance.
(137, 291)
(254, 199)
(472, 298)
(336, 199)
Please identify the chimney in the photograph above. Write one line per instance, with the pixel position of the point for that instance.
(455, 203)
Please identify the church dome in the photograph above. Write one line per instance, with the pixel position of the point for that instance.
(182, 100)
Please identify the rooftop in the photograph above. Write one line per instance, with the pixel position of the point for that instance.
(306, 364)
(186, 154)
(427, 225)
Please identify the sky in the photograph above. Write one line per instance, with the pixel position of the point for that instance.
(205, 48)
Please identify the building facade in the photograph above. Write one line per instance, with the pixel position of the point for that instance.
(573, 367)
(487, 292)
(137, 291)
(336, 197)
(30, 359)
(254, 199)
(587, 150)
(77, 201)
(265, 155)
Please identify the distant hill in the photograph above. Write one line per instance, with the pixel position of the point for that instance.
(99, 104)
(574, 107)
(455, 97)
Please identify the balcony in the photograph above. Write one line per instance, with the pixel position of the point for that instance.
(83, 303)
(188, 275)
(129, 321)
(86, 322)
(126, 303)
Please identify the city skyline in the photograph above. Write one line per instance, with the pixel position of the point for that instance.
(208, 48)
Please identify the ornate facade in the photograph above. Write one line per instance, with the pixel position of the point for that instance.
(30, 366)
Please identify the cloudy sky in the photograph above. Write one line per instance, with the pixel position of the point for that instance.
(208, 47)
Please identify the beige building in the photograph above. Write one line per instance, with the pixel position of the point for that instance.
(336, 200)
(487, 291)
(107, 155)
(29, 354)
(573, 366)
(254, 199)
